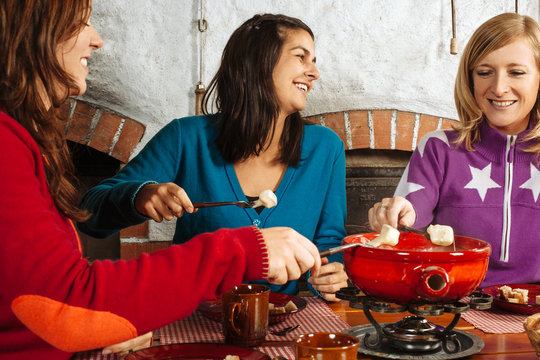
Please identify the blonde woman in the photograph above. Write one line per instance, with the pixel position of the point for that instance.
(483, 178)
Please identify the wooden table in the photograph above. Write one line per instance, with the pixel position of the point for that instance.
(497, 346)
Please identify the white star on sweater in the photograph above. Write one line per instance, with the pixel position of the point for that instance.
(533, 183)
(481, 181)
(405, 187)
(438, 134)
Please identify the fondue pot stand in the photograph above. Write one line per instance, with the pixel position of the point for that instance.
(416, 270)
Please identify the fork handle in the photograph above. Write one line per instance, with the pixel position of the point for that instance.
(413, 230)
(212, 204)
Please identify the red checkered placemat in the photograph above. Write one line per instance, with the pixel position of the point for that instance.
(93, 355)
(316, 317)
(494, 321)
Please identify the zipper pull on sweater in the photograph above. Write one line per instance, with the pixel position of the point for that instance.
(512, 150)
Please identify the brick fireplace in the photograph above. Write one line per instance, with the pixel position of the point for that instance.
(378, 144)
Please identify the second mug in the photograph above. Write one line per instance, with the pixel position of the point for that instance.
(245, 314)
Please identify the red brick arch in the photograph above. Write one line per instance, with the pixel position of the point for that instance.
(381, 129)
(103, 130)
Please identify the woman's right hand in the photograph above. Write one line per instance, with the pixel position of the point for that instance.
(391, 211)
(162, 201)
(289, 255)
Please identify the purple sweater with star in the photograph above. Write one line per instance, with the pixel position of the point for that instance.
(490, 193)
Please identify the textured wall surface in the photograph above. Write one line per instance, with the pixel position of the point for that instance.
(372, 54)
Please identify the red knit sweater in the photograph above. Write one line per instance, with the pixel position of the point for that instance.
(53, 302)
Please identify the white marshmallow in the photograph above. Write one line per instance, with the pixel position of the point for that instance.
(388, 236)
(267, 199)
(441, 234)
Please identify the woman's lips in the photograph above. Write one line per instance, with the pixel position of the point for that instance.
(502, 103)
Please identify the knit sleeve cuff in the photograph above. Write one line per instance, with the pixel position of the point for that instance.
(256, 254)
(132, 202)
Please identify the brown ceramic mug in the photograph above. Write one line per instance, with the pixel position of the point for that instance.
(245, 314)
(327, 346)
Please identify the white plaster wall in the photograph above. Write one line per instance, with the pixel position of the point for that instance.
(370, 53)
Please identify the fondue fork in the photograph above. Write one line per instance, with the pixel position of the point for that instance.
(413, 230)
(328, 252)
(242, 204)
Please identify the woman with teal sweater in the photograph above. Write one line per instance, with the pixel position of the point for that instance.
(257, 140)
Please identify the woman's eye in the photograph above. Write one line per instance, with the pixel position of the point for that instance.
(483, 72)
(517, 72)
(301, 56)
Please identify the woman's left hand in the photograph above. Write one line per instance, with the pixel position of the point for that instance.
(331, 278)
(124, 348)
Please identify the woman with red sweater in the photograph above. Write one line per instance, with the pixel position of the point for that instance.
(52, 301)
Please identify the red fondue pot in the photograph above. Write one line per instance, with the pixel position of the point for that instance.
(415, 270)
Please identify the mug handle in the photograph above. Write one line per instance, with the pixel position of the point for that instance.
(232, 314)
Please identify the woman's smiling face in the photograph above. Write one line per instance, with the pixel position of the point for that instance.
(74, 53)
(295, 71)
(506, 83)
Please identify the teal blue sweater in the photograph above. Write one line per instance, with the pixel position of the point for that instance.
(311, 197)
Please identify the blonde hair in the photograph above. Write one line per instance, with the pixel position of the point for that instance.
(495, 33)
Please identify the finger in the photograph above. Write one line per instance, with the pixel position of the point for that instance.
(328, 268)
(330, 288)
(372, 217)
(183, 200)
(336, 275)
(313, 260)
(330, 297)
(164, 211)
(153, 214)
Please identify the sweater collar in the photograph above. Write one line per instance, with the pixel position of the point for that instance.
(492, 144)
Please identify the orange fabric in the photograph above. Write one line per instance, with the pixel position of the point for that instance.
(71, 328)
(76, 236)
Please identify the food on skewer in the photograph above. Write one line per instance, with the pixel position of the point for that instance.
(441, 234)
(388, 236)
(267, 199)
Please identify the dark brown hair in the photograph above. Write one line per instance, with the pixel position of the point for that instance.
(33, 83)
(245, 94)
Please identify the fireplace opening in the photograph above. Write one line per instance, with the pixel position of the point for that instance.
(371, 175)
(91, 167)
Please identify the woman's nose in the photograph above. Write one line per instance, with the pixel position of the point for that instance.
(313, 72)
(96, 41)
(500, 85)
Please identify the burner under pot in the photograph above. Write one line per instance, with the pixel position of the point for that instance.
(414, 334)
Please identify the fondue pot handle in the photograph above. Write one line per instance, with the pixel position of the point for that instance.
(433, 283)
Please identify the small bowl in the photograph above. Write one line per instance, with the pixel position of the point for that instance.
(325, 345)
(212, 309)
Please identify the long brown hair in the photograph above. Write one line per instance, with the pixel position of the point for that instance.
(245, 94)
(33, 83)
(495, 33)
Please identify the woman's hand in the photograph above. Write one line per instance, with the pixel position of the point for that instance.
(391, 211)
(289, 255)
(124, 348)
(163, 201)
(331, 278)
